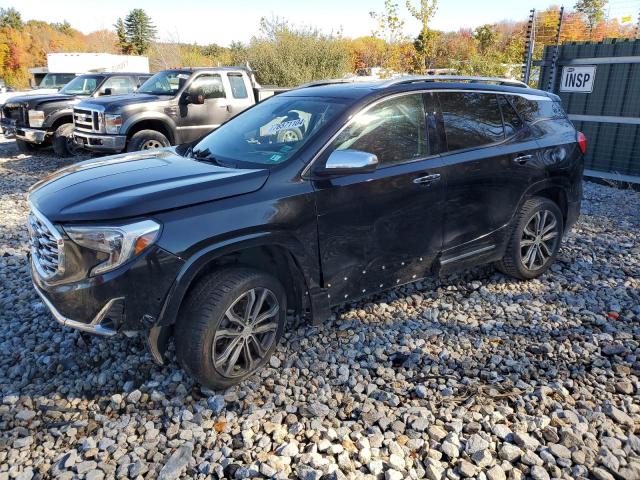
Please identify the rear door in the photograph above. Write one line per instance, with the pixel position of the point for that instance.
(489, 153)
(198, 120)
(384, 228)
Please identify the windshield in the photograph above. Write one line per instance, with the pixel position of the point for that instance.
(82, 85)
(56, 80)
(165, 83)
(271, 132)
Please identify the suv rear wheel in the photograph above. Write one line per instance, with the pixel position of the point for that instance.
(146, 140)
(535, 240)
(232, 324)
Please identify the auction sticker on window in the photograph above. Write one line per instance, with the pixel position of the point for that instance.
(578, 79)
(297, 123)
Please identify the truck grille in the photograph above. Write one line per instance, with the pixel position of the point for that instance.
(47, 246)
(87, 120)
(17, 113)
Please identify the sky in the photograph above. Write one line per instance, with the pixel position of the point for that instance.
(222, 21)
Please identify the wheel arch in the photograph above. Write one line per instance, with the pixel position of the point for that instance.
(555, 192)
(157, 123)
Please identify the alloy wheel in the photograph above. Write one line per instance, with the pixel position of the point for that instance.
(289, 136)
(539, 239)
(246, 333)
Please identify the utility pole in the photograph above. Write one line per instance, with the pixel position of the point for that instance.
(528, 50)
(556, 52)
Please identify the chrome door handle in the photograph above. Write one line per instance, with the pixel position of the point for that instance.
(522, 159)
(427, 179)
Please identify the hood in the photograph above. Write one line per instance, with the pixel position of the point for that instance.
(5, 97)
(35, 102)
(135, 184)
(115, 102)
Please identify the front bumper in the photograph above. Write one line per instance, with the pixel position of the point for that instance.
(31, 135)
(120, 300)
(100, 142)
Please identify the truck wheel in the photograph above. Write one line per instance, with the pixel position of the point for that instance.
(63, 144)
(146, 140)
(289, 136)
(232, 322)
(535, 240)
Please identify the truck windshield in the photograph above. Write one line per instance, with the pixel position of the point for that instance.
(168, 82)
(82, 85)
(56, 80)
(271, 132)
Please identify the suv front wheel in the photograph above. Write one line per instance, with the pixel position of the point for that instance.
(535, 239)
(232, 324)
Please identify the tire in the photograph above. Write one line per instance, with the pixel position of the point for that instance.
(289, 135)
(206, 324)
(147, 140)
(528, 255)
(63, 144)
(24, 147)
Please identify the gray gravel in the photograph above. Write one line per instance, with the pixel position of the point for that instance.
(469, 376)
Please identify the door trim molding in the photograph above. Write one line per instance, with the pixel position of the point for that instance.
(471, 253)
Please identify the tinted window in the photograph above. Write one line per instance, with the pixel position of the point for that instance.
(471, 119)
(512, 122)
(82, 85)
(393, 130)
(165, 83)
(118, 85)
(210, 86)
(533, 110)
(238, 88)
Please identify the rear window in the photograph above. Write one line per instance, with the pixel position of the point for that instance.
(238, 88)
(471, 119)
(533, 110)
(512, 122)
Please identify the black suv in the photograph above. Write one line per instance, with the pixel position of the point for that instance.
(218, 242)
(40, 120)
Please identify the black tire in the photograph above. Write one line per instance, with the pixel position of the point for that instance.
(25, 147)
(529, 254)
(63, 144)
(289, 135)
(204, 318)
(146, 140)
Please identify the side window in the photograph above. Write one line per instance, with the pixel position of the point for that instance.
(118, 85)
(512, 122)
(471, 119)
(210, 86)
(238, 88)
(534, 110)
(394, 130)
(142, 79)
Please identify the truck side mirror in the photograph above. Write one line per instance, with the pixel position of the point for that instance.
(195, 98)
(108, 91)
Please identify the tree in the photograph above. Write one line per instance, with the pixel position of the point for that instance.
(136, 32)
(424, 43)
(593, 10)
(64, 27)
(486, 36)
(10, 18)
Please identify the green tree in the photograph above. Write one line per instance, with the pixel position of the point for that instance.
(424, 43)
(593, 10)
(10, 18)
(64, 27)
(486, 37)
(139, 32)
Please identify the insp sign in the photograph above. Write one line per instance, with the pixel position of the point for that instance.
(578, 79)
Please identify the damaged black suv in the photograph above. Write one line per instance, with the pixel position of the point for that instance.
(310, 199)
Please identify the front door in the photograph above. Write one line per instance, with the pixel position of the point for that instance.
(198, 120)
(381, 229)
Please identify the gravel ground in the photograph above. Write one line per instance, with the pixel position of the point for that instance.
(469, 376)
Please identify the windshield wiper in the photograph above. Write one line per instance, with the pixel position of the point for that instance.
(204, 155)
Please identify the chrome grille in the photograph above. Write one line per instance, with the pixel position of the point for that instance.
(87, 120)
(47, 246)
(16, 113)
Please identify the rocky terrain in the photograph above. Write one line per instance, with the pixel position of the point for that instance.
(469, 376)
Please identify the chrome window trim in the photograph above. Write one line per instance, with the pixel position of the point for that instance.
(528, 96)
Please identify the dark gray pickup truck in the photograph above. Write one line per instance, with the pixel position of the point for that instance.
(42, 120)
(171, 108)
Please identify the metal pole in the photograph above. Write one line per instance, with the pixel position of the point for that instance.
(556, 54)
(528, 55)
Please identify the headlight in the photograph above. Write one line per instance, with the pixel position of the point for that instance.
(112, 123)
(120, 243)
(36, 118)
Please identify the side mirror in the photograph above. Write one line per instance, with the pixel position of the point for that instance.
(108, 91)
(342, 162)
(195, 98)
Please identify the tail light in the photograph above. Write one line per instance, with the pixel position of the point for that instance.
(582, 143)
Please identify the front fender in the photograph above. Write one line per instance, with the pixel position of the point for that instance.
(197, 262)
(53, 117)
(147, 115)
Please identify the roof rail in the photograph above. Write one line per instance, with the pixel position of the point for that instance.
(451, 78)
(330, 81)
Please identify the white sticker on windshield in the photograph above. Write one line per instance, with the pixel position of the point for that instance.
(298, 122)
